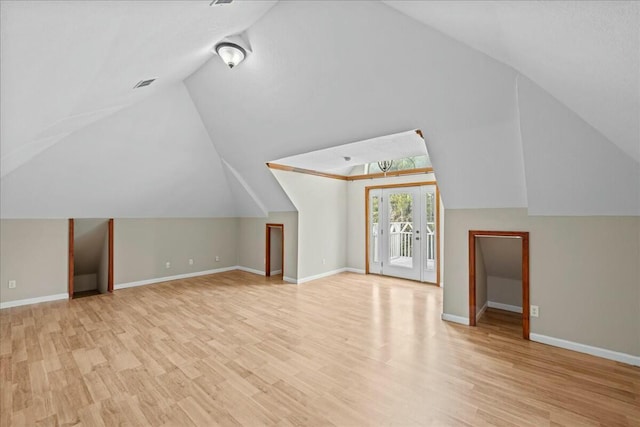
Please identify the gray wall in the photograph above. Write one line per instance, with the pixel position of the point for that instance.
(252, 238)
(103, 268)
(88, 236)
(481, 278)
(504, 291)
(503, 261)
(584, 273)
(143, 246)
(276, 250)
(34, 253)
(85, 282)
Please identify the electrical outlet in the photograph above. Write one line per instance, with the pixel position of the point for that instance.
(12, 284)
(217, 258)
(535, 311)
(190, 261)
(324, 261)
(167, 265)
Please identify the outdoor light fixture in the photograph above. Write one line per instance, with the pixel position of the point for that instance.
(231, 53)
(385, 165)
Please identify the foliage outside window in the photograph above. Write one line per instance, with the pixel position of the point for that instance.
(415, 162)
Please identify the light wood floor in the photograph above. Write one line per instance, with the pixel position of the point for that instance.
(239, 349)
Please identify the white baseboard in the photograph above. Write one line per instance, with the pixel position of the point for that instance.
(274, 272)
(455, 319)
(176, 277)
(482, 310)
(28, 301)
(355, 270)
(290, 280)
(250, 270)
(321, 275)
(505, 307)
(583, 348)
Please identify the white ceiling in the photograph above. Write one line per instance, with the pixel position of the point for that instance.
(585, 53)
(77, 141)
(153, 159)
(332, 160)
(66, 64)
(305, 88)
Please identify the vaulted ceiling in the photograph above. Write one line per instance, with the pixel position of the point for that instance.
(523, 104)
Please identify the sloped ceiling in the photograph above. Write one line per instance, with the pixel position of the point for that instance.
(319, 76)
(66, 64)
(342, 158)
(153, 159)
(77, 140)
(585, 53)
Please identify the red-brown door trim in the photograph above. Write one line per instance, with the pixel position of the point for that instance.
(110, 276)
(71, 267)
(524, 236)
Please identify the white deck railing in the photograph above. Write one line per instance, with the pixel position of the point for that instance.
(401, 241)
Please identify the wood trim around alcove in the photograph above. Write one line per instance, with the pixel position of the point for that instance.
(71, 256)
(110, 276)
(524, 236)
(70, 259)
(267, 265)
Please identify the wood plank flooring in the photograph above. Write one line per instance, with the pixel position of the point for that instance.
(239, 349)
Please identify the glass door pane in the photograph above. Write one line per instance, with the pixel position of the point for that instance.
(401, 228)
(430, 252)
(375, 227)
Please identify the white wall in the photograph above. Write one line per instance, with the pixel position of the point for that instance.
(34, 253)
(322, 221)
(584, 273)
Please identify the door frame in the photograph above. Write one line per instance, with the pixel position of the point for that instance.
(401, 185)
(71, 257)
(71, 264)
(524, 237)
(267, 266)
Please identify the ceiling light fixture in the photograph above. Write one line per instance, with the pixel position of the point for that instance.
(231, 53)
(385, 165)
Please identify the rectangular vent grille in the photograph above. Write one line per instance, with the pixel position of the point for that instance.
(143, 83)
(220, 2)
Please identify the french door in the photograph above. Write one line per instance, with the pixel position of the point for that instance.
(403, 232)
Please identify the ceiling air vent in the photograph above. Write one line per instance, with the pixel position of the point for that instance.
(143, 83)
(220, 2)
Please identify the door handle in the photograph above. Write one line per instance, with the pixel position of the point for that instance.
(417, 238)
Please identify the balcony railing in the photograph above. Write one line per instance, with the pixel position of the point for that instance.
(401, 241)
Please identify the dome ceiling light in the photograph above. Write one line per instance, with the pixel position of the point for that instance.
(231, 53)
